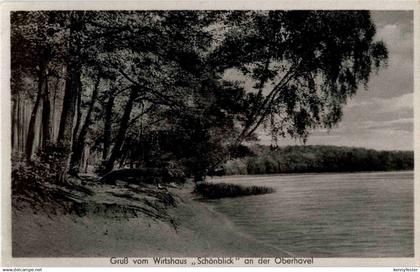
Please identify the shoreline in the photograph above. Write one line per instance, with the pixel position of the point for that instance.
(309, 173)
(201, 231)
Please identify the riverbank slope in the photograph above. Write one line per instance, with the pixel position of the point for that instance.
(188, 229)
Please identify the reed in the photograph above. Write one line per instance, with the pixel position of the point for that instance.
(220, 190)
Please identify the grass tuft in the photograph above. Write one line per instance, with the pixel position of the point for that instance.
(220, 190)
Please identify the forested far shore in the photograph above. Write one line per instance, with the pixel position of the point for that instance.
(317, 158)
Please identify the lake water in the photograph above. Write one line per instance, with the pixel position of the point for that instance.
(328, 215)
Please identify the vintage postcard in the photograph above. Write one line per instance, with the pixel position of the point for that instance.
(209, 133)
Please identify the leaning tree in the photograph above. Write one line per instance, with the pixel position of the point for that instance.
(304, 65)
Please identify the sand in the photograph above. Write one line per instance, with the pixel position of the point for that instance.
(201, 231)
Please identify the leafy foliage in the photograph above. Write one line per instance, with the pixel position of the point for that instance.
(34, 173)
(304, 65)
(152, 88)
(303, 159)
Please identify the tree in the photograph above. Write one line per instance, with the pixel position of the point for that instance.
(304, 65)
(72, 90)
(122, 130)
(160, 64)
(80, 139)
(38, 39)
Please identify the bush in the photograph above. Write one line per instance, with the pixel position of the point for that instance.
(35, 172)
(236, 167)
(220, 190)
(43, 168)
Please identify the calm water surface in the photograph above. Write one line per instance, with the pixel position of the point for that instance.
(328, 215)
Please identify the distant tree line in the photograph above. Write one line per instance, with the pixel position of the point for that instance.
(303, 159)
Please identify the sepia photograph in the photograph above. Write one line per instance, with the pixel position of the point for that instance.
(212, 133)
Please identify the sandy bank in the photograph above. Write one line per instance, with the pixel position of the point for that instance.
(201, 232)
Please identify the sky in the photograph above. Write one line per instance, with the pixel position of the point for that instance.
(382, 117)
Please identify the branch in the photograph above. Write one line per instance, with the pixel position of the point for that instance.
(166, 100)
(128, 77)
(265, 106)
(122, 90)
(133, 120)
(262, 83)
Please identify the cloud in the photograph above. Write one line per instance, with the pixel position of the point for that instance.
(384, 105)
(402, 124)
(397, 40)
(376, 139)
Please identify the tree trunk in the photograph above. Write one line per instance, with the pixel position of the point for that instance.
(79, 144)
(14, 124)
(109, 165)
(78, 111)
(108, 125)
(54, 111)
(65, 133)
(46, 120)
(20, 126)
(85, 157)
(31, 129)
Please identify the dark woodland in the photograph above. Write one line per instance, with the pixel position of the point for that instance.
(94, 92)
